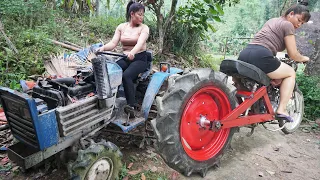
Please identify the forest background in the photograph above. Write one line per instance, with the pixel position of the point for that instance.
(186, 33)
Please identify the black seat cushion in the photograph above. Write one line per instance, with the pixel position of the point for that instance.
(233, 67)
(149, 56)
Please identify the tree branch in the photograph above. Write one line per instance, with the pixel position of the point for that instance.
(7, 39)
(284, 4)
(171, 14)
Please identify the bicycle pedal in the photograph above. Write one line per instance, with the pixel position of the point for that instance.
(274, 122)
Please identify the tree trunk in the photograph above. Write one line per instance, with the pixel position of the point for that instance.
(157, 10)
(161, 39)
(161, 25)
(313, 67)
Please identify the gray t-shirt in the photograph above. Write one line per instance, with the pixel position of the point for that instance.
(272, 34)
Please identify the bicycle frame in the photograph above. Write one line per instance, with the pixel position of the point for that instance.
(234, 118)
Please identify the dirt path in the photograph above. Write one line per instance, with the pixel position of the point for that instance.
(264, 155)
(270, 155)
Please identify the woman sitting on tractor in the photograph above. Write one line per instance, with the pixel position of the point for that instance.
(133, 36)
(276, 35)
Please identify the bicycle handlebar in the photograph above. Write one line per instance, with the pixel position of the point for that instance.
(111, 53)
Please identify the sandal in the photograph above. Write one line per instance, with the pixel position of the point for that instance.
(129, 110)
(285, 117)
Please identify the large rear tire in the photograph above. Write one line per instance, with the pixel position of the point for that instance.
(181, 142)
(295, 109)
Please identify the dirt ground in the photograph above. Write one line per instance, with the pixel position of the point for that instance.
(264, 155)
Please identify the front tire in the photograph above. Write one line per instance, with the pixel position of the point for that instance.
(295, 109)
(100, 161)
(183, 145)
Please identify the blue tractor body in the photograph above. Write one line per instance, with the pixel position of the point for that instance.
(45, 124)
(28, 124)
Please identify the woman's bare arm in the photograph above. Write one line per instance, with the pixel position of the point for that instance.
(292, 50)
(114, 42)
(141, 40)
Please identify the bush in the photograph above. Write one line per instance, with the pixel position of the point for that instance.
(211, 61)
(30, 24)
(310, 87)
(29, 13)
(104, 26)
(182, 40)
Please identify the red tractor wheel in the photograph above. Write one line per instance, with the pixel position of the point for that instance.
(182, 142)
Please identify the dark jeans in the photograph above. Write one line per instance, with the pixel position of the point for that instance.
(131, 70)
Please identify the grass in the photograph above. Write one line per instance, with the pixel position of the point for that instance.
(213, 61)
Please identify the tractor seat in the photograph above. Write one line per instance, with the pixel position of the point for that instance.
(143, 76)
(233, 67)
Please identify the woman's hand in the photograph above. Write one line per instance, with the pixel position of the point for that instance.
(305, 59)
(100, 49)
(130, 56)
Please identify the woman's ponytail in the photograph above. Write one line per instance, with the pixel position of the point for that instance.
(128, 9)
(133, 7)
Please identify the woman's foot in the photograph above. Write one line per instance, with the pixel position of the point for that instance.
(129, 110)
(284, 116)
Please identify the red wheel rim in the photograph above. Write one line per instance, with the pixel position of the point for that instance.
(201, 144)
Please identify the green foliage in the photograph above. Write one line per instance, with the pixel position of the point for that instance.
(21, 20)
(241, 20)
(192, 23)
(150, 175)
(198, 16)
(30, 25)
(310, 87)
(123, 172)
(211, 61)
(104, 26)
(29, 13)
(181, 40)
(227, 2)
(77, 6)
(314, 5)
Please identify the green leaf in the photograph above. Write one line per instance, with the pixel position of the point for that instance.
(211, 27)
(220, 10)
(216, 18)
(90, 5)
(70, 4)
(213, 11)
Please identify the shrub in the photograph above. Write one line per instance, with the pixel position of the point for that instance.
(310, 87)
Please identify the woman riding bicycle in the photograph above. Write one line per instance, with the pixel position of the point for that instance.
(276, 35)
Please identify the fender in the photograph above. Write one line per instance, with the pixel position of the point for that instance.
(155, 84)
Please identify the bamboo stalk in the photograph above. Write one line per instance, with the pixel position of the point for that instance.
(65, 45)
(70, 43)
(7, 39)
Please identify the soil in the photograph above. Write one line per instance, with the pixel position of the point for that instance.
(264, 155)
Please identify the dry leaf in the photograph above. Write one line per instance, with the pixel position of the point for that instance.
(134, 172)
(174, 175)
(143, 177)
(130, 165)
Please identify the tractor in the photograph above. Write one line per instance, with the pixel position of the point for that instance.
(193, 115)
(58, 117)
